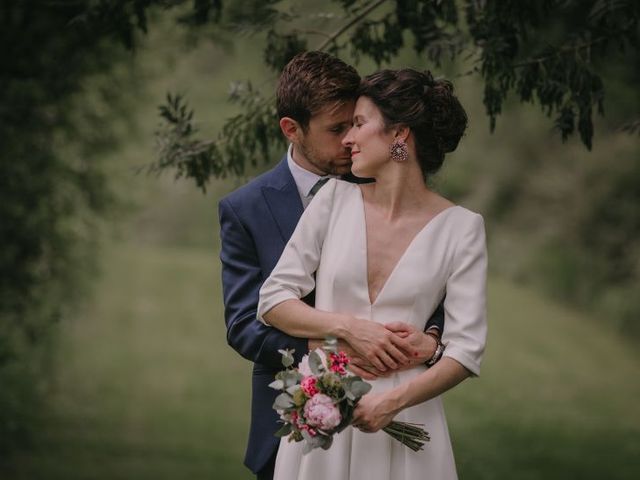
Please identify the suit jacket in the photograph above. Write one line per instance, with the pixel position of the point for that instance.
(256, 222)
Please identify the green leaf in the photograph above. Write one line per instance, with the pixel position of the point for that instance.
(293, 389)
(284, 430)
(315, 363)
(360, 388)
(313, 442)
(283, 402)
(330, 344)
(277, 385)
(327, 443)
(287, 357)
(291, 377)
(355, 387)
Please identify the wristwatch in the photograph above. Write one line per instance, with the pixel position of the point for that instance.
(439, 350)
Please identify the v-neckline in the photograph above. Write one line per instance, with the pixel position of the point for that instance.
(400, 259)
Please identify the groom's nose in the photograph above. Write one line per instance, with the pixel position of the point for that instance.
(347, 141)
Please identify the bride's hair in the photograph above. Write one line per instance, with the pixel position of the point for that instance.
(427, 106)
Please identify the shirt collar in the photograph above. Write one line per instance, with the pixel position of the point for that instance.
(305, 180)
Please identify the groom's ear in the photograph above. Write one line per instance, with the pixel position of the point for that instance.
(291, 129)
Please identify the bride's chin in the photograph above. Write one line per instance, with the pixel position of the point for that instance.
(360, 172)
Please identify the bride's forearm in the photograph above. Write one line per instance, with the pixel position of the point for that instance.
(444, 375)
(300, 320)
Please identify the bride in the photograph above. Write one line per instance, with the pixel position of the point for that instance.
(383, 252)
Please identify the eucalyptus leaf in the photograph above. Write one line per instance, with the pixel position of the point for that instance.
(285, 430)
(287, 357)
(360, 388)
(315, 363)
(293, 389)
(328, 441)
(290, 378)
(311, 442)
(277, 385)
(283, 402)
(330, 344)
(307, 447)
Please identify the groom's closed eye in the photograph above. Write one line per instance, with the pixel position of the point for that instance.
(340, 128)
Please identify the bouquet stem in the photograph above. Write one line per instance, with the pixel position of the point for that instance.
(410, 434)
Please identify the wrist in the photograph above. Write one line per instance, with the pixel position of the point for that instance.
(397, 398)
(437, 354)
(342, 327)
(433, 338)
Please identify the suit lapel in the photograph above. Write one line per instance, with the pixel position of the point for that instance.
(283, 200)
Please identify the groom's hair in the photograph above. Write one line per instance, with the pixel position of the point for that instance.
(312, 81)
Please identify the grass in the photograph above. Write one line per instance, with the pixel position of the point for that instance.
(146, 387)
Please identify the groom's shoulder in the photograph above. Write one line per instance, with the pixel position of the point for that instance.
(251, 192)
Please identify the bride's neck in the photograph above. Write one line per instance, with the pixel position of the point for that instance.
(399, 191)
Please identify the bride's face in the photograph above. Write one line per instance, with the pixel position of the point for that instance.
(368, 140)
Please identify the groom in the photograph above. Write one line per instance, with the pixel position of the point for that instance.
(315, 98)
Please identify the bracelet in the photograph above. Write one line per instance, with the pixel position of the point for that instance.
(437, 354)
(432, 333)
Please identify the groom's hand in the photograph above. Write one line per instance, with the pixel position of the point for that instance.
(424, 346)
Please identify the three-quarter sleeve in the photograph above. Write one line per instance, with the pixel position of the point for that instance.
(465, 328)
(293, 276)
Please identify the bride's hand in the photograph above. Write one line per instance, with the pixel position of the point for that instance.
(424, 346)
(373, 412)
(379, 346)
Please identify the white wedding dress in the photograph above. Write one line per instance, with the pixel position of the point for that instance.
(447, 255)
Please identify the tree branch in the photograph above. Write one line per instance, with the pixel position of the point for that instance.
(560, 51)
(355, 20)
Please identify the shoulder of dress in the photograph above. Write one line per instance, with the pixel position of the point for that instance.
(335, 189)
(343, 186)
(466, 221)
(464, 214)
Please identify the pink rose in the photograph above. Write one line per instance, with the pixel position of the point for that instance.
(320, 412)
(308, 386)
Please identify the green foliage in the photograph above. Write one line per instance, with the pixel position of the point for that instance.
(54, 190)
(501, 39)
(245, 138)
(595, 261)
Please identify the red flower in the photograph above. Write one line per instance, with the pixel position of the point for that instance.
(308, 386)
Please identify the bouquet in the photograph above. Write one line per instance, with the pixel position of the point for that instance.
(318, 398)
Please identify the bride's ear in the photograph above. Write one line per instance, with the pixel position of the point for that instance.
(291, 129)
(402, 133)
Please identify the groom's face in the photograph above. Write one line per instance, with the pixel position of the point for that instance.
(319, 148)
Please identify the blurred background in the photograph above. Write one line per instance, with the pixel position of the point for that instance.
(113, 354)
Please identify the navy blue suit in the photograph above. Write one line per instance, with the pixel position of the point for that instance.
(256, 222)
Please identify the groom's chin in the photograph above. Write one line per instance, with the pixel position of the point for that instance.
(343, 169)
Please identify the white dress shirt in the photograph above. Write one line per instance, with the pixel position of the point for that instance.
(305, 180)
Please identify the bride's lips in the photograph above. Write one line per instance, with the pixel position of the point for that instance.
(354, 153)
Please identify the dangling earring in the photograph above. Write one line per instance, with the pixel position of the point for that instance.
(399, 151)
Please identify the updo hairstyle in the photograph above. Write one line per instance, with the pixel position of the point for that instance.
(427, 106)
